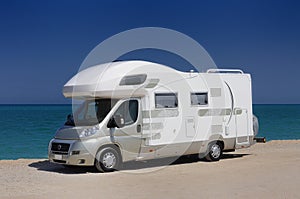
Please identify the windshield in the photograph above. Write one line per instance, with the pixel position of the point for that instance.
(91, 112)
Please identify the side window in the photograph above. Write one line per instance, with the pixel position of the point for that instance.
(166, 100)
(91, 110)
(199, 99)
(129, 111)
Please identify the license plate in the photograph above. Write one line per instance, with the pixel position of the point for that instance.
(58, 157)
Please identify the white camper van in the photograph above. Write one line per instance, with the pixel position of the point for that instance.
(138, 110)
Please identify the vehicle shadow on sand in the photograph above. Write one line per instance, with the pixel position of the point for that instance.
(45, 165)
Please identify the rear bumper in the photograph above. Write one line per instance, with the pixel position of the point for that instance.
(77, 153)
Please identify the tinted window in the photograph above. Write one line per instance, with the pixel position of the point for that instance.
(166, 100)
(129, 111)
(199, 99)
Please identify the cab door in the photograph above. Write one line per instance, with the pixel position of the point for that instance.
(129, 135)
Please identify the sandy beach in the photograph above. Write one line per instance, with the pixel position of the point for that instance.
(270, 170)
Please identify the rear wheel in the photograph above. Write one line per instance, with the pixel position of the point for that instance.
(108, 159)
(214, 151)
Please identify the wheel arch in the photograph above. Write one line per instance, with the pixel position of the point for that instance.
(221, 142)
(218, 139)
(112, 145)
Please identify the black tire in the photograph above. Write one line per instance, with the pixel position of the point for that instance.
(215, 150)
(108, 159)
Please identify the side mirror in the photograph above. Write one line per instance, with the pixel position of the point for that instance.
(116, 121)
(70, 120)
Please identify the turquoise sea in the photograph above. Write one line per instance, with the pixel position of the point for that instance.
(26, 129)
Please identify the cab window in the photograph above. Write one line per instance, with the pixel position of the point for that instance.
(129, 111)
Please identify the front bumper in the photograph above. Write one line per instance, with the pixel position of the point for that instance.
(78, 152)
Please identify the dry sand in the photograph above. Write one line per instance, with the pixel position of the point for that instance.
(270, 170)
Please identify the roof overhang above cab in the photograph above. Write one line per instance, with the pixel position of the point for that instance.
(119, 79)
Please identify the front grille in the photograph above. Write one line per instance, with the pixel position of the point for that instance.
(60, 147)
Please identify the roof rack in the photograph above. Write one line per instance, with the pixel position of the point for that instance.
(213, 70)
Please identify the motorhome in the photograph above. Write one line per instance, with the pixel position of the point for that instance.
(138, 111)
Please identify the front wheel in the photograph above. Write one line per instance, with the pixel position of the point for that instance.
(108, 159)
(214, 151)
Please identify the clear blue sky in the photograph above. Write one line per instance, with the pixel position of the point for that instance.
(42, 43)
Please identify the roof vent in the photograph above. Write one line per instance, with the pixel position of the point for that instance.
(133, 80)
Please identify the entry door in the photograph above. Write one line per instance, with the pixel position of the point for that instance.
(190, 127)
(129, 136)
(242, 127)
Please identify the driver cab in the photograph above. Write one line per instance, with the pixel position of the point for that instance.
(125, 126)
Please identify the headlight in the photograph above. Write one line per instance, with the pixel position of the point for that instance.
(89, 132)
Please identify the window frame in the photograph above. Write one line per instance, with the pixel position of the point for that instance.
(195, 93)
(166, 93)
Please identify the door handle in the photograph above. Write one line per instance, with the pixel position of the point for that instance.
(139, 128)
